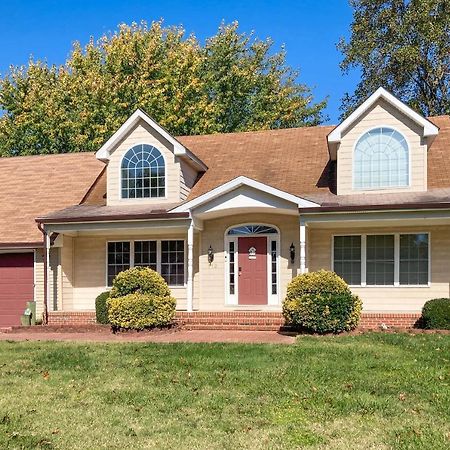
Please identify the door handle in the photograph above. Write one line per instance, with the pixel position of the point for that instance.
(240, 271)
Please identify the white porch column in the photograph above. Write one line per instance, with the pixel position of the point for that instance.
(303, 268)
(190, 268)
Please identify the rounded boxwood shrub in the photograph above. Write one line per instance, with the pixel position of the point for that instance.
(101, 309)
(436, 314)
(139, 279)
(138, 311)
(321, 302)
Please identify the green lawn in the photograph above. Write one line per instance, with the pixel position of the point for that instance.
(372, 391)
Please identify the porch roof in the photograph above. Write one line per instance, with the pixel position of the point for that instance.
(431, 199)
(95, 213)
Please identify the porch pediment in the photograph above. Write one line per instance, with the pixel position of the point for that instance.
(243, 195)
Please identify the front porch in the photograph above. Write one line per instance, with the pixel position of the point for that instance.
(229, 268)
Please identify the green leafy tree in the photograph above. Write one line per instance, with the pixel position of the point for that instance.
(234, 82)
(404, 46)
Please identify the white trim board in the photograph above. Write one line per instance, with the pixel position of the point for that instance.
(179, 149)
(429, 129)
(238, 182)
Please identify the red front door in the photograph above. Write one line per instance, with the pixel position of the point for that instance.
(16, 286)
(252, 270)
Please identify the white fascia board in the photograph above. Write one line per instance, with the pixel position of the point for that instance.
(429, 129)
(243, 181)
(179, 150)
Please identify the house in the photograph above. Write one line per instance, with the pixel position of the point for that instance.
(229, 219)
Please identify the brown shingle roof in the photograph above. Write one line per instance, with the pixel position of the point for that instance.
(293, 160)
(32, 186)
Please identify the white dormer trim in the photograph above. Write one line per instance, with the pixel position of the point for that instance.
(179, 149)
(236, 183)
(429, 129)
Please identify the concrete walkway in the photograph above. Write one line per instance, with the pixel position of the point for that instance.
(105, 335)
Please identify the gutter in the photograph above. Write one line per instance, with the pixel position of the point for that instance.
(110, 218)
(14, 245)
(384, 208)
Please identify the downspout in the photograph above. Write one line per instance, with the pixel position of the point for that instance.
(45, 247)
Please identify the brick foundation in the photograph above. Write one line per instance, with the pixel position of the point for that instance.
(239, 320)
(71, 318)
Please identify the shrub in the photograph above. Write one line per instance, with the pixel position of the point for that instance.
(139, 279)
(101, 309)
(436, 314)
(138, 311)
(321, 302)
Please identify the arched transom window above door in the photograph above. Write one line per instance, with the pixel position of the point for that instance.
(252, 229)
(143, 173)
(381, 160)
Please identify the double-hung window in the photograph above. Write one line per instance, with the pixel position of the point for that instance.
(382, 259)
(166, 257)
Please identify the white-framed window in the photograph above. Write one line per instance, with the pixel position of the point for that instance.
(396, 259)
(381, 160)
(143, 173)
(167, 257)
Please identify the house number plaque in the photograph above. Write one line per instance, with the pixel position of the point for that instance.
(252, 253)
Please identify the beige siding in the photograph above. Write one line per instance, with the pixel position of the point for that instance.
(212, 277)
(143, 134)
(382, 114)
(39, 282)
(188, 176)
(54, 280)
(67, 255)
(393, 299)
(89, 270)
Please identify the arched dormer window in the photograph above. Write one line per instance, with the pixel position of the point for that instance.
(143, 173)
(381, 160)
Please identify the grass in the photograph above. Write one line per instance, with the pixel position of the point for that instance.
(373, 391)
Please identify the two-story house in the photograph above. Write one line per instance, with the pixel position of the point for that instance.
(229, 219)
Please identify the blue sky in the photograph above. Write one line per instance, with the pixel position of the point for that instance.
(309, 29)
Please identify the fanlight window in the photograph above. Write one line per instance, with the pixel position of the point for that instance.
(252, 229)
(143, 173)
(381, 160)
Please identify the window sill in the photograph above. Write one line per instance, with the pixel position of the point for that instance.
(372, 286)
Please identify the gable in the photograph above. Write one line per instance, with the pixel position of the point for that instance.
(179, 174)
(383, 114)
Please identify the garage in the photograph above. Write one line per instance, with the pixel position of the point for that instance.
(16, 286)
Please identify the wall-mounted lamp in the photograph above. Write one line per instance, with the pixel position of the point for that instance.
(292, 252)
(210, 255)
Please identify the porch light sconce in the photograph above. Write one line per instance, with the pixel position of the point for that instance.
(210, 255)
(292, 252)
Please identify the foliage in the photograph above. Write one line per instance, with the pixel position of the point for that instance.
(142, 280)
(101, 309)
(321, 302)
(234, 82)
(404, 46)
(436, 314)
(138, 311)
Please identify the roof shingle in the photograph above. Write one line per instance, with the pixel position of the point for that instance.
(32, 186)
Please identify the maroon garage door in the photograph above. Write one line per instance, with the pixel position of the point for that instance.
(16, 286)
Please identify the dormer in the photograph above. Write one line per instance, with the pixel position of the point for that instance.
(146, 164)
(381, 147)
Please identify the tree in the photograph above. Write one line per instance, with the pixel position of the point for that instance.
(234, 82)
(404, 46)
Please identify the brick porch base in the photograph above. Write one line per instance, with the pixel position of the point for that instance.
(239, 320)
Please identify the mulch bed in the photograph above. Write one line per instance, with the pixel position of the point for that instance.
(97, 328)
